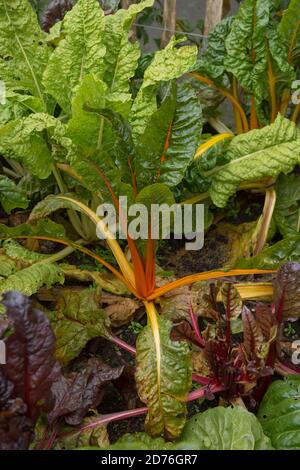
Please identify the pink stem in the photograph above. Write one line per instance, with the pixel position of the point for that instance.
(200, 379)
(201, 340)
(136, 412)
(123, 345)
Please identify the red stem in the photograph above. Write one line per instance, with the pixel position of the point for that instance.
(136, 412)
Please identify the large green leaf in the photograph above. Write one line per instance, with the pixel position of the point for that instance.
(141, 441)
(86, 128)
(80, 53)
(289, 28)
(77, 319)
(31, 279)
(43, 228)
(151, 144)
(279, 413)
(11, 195)
(167, 64)
(34, 141)
(287, 209)
(224, 429)
(163, 376)
(171, 138)
(246, 45)
(184, 137)
(122, 55)
(23, 51)
(269, 151)
(274, 256)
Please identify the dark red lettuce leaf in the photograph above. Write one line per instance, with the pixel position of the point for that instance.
(30, 364)
(16, 429)
(287, 292)
(80, 391)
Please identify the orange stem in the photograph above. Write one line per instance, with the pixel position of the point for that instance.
(185, 281)
(227, 95)
(237, 115)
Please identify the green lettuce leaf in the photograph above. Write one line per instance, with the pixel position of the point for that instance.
(279, 413)
(163, 379)
(224, 429)
(269, 151)
(80, 53)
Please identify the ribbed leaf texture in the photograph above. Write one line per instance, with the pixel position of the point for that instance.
(168, 64)
(23, 51)
(80, 53)
(269, 151)
(163, 378)
(31, 279)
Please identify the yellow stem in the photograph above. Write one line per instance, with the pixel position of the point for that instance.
(210, 143)
(121, 259)
(265, 220)
(69, 170)
(153, 320)
(272, 89)
(210, 275)
(227, 95)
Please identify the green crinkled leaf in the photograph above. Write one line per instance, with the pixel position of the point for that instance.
(23, 51)
(7, 266)
(274, 256)
(163, 377)
(213, 60)
(28, 140)
(167, 64)
(279, 413)
(11, 195)
(53, 203)
(171, 138)
(86, 128)
(31, 150)
(151, 144)
(184, 137)
(30, 280)
(80, 53)
(269, 151)
(287, 209)
(224, 429)
(77, 319)
(248, 33)
(43, 228)
(88, 439)
(122, 55)
(289, 28)
(16, 251)
(141, 441)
